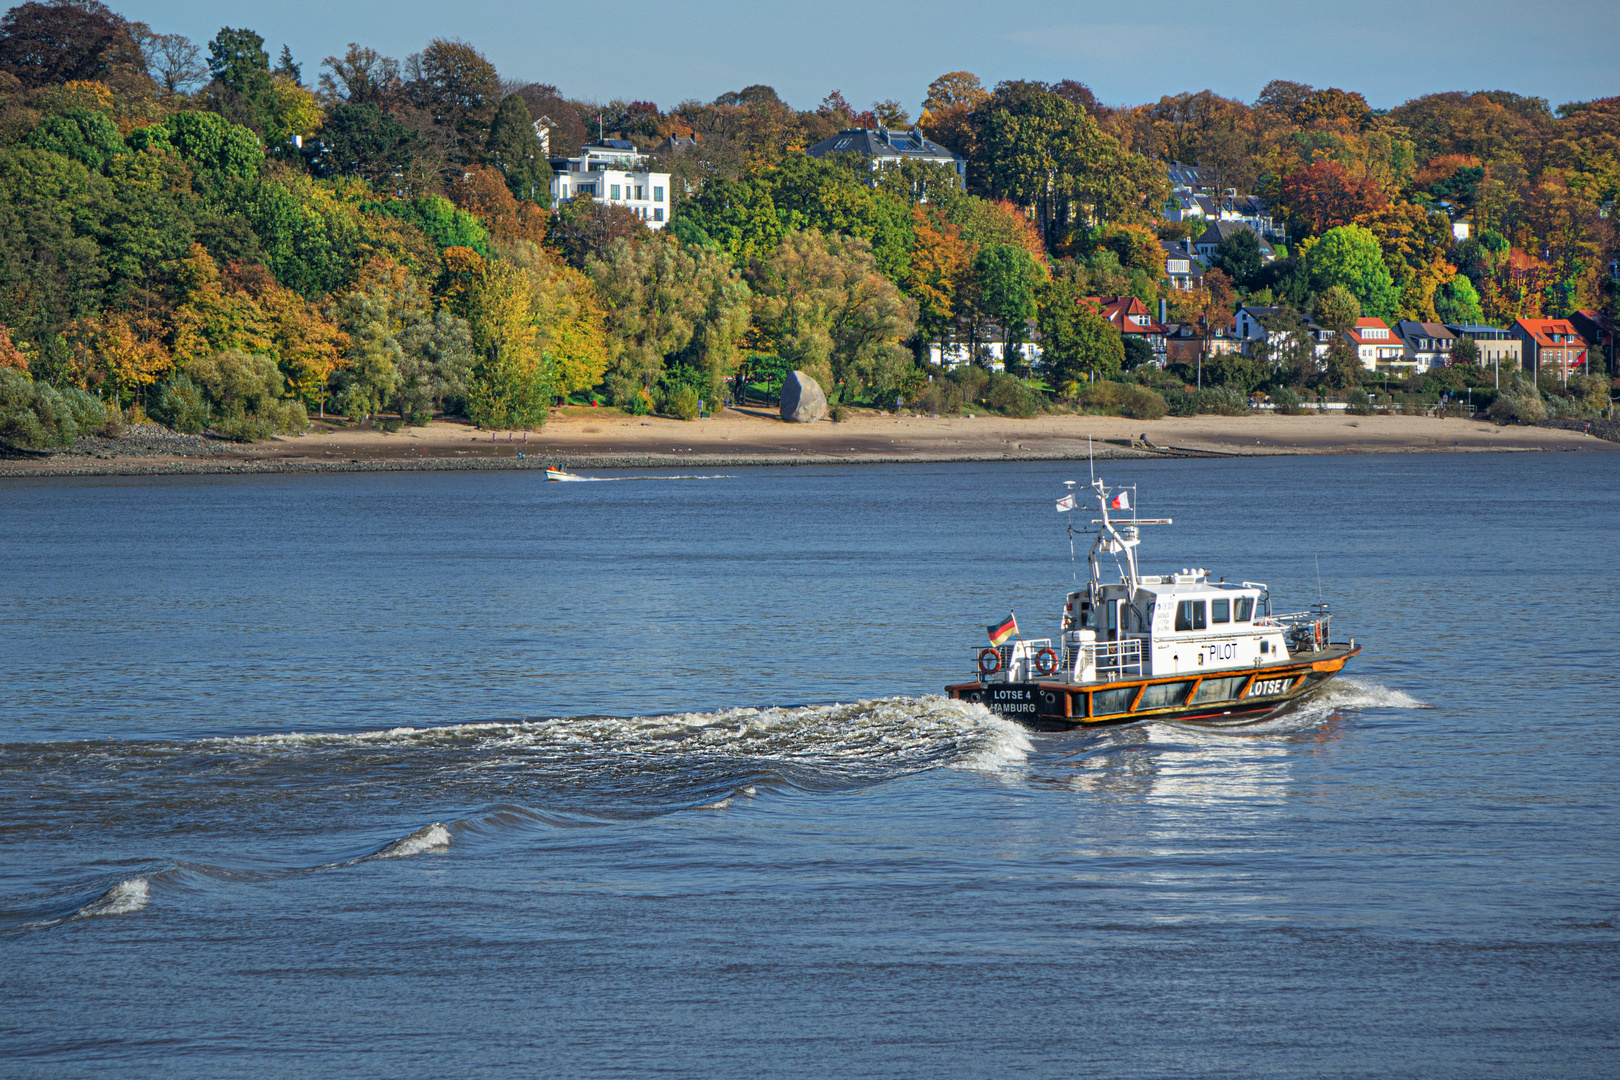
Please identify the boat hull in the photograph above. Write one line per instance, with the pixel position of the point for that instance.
(1215, 697)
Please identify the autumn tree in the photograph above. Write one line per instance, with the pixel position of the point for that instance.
(459, 89)
(832, 314)
(361, 76)
(1324, 195)
(569, 316)
(669, 303)
(940, 263)
(49, 44)
(948, 112)
(483, 192)
(512, 381)
(584, 227)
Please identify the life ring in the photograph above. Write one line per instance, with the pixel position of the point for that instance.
(1046, 662)
(989, 661)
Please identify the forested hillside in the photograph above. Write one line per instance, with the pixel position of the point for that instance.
(222, 241)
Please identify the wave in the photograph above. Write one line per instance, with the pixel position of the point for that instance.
(429, 838)
(804, 746)
(124, 898)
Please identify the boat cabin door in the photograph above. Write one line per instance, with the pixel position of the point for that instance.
(1112, 619)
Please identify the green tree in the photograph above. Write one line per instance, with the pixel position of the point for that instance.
(364, 141)
(240, 67)
(1337, 308)
(1076, 341)
(1239, 256)
(1350, 256)
(1007, 278)
(514, 149)
(222, 155)
(85, 135)
(1457, 303)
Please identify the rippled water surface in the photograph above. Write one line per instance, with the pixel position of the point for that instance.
(444, 775)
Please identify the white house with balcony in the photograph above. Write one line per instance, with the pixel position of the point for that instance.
(611, 171)
(1378, 348)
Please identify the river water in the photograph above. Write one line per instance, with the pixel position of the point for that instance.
(475, 775)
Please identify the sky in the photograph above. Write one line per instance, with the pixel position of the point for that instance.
(1389, 50)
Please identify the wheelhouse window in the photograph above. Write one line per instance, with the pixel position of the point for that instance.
(1220, 611)
(1245, 608)
(1190, 615)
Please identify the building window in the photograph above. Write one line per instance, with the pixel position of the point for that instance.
(639, 190)
(658, 194)
(658, 213)
(615, 194)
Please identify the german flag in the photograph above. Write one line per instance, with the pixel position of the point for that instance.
(1003, 630)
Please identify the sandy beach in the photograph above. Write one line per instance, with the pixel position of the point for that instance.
(594, 438)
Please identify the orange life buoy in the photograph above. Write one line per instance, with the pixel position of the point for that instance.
(1046, 662)
(989, 661)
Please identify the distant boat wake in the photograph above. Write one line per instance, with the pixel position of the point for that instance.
(559, 474)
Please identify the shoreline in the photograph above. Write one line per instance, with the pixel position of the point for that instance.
(599, 439)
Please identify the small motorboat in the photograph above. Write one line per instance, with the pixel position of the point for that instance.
(558, 474)
(1154, 646)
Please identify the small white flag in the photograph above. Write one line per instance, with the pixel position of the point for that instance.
(1122, 501)
(1065, 504)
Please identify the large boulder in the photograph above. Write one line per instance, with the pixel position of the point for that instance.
(802, 399)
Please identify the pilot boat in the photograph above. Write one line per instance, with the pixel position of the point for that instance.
(1154, 646)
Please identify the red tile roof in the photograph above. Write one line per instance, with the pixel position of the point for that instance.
(1118, 309)
(1544, 329)
(1366, 323)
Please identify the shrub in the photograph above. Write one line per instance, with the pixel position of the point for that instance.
(1358, 403)
(941, 396)
(271, 418)
(392, 424)
(180, 405)
(1563, 408)
(1285, 401)
(839, 412)
(235, 380)
(682, 403)
(112, 425)
(420, 419)
(240, 427)
(34, 414)
(88, 415)
(972, 380)
(1012, 396)
(638, 404)
(1223, 401)
(1140, 403)
(1103, 395)
(1123, 399)
(1181, 402)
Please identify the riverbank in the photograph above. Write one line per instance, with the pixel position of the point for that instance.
(604, 439)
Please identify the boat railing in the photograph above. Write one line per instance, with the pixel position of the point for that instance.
(1109, 659)
(1020, 660)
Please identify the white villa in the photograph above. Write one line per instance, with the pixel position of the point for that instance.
(611, 171)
